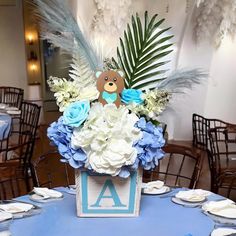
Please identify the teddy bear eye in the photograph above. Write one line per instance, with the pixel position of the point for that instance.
(106, 78)
(115, 79)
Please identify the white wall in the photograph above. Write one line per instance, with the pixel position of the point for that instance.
(12, 49)
(221, 94)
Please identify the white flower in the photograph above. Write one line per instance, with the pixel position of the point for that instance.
(155, 101)
(68, 91)
(107, 138)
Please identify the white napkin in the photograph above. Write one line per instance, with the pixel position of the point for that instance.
(5, 216)
(193, 194)
(5, 233)
(47, 193)
(214, 206)
(150, 186)
(16, 207)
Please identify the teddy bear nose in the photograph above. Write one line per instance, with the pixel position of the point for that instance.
(111, 84)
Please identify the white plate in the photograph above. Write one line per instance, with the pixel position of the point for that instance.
(192, 200)
(5, 216)
(157, 191)
(184, 203)
(12, 109)
(37, 198)
(13, 112)
(3, 106)
(222, 231)
(229, 212)
(16, 207)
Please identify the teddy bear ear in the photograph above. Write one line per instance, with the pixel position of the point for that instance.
(121, 73)
(98, 73)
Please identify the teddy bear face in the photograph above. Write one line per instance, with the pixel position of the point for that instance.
(110, 81)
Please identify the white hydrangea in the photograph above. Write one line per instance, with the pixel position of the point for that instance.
(107, 138)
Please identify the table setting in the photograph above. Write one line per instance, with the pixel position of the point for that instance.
(158, 209)
(11, 110)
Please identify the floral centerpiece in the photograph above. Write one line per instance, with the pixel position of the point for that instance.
(109, 128)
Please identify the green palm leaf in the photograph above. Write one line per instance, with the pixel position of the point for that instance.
(141, 52)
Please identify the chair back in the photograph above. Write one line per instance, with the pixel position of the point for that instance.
(226, 184)
(11, 182)
(11, 96)
(200, 128)
(50, 172)
(30, 113)
(180, 167)
(222, 157)
(222, 148)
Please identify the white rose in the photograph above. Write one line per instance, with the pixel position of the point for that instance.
(88, 93)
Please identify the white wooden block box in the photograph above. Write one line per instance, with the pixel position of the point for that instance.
(107, 196)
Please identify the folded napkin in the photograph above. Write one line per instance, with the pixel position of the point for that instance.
(5, 216)
(193, 194)
(47, 193)
(16, 207)
(150, 186)
(214, 206)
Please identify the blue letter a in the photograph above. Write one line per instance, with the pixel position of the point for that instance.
(114, 195)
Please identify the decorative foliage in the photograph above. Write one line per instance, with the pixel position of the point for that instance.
(180, 80)
(154, 103)
(111, 138)
(141, 51)
(215, 19)
(69, 91)
(60, 28)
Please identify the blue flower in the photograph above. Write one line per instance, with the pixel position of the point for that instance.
(60, 135)
(76, 113)
(149, 146)
(131, 95)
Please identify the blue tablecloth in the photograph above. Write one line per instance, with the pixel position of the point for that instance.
(158, 216)
(5, 125)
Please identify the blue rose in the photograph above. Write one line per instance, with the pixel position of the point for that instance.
(76, 113)
(131, 95)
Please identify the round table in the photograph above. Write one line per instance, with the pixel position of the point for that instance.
(158, 216)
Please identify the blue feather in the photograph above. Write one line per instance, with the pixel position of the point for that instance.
(59, 27)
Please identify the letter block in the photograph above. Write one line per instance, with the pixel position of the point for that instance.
(107, 196)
